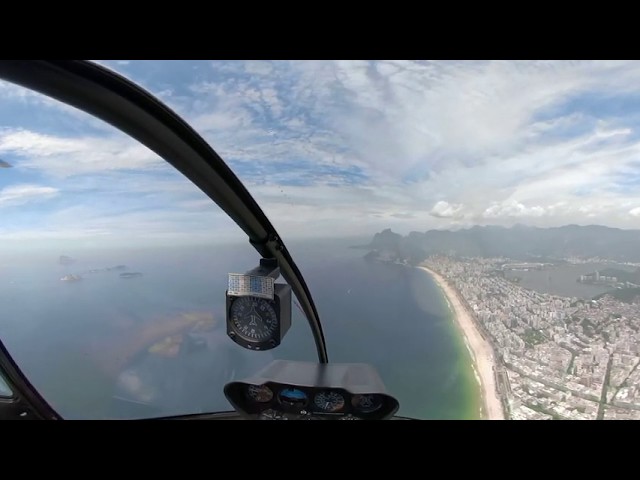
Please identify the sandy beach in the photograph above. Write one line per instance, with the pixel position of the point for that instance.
(481, 351)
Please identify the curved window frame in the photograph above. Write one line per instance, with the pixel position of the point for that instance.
(118, 101)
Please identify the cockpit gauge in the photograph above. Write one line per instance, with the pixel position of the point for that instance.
(366, 403)
(329, 401)
(293, 397)
(314, 391)
(259, 393)
(258, 310)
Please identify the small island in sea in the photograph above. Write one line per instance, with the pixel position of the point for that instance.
(130, 274)
(71, 278)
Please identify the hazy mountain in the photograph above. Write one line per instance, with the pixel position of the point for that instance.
(518, 242)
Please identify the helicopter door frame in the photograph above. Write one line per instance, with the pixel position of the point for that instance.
(25, 403)
(120, 102)
(106, 95)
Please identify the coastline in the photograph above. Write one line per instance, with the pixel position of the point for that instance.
(481, 351)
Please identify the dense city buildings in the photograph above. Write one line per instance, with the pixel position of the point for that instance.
(556, 357)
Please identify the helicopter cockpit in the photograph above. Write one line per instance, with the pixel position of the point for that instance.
(260, 310)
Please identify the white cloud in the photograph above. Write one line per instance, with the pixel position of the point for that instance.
(444, 209)
(356, 146)
(66, 156)
(115, 225)
(21, 194)
(471, 129)
(258, 67)
(12, 96)
(513, 209)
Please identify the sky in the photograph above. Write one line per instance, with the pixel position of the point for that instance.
(332, 148)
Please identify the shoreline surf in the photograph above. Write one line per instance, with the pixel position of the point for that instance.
(480, 350)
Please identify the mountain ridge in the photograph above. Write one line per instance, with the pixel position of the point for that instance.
(518, 242)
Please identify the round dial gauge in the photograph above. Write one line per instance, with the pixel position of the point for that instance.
(254, 318)
(329, 401)
(293, 397)
(366, 403)
(259, 393)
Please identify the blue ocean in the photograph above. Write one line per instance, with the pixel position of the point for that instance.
(82, 342)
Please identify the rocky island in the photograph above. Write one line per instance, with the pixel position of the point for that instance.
(130, 274)
(71, 278)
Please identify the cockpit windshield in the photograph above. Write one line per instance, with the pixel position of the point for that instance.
(467, 229)
(113, 271)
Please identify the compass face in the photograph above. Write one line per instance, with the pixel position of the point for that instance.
(254, 319)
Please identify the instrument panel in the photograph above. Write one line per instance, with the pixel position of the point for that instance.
(326, 395)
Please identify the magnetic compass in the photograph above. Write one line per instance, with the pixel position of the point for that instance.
(258, 310)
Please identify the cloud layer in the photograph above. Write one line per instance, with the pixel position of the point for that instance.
(344, 147)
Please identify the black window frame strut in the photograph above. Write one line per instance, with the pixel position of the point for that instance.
(120, 102)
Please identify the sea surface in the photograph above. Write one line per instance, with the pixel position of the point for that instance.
(82, 343)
